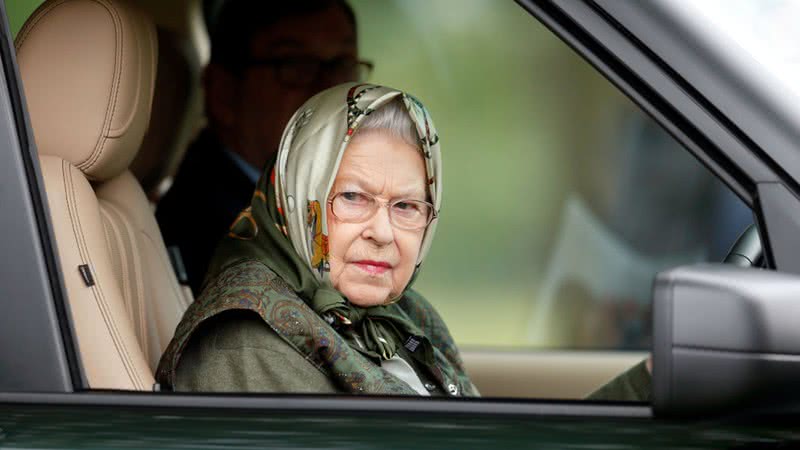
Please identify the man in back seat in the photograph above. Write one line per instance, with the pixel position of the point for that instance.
(267, 58)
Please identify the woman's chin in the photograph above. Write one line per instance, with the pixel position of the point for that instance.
(366, 296)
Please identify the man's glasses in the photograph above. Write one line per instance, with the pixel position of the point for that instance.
(304, 71)
(357, 207)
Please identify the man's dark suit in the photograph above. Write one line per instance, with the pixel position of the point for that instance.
(207, 194)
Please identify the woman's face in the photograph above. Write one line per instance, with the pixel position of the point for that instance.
(372, 262)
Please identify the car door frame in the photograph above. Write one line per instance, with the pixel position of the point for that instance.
(35, 312)
(55, 377)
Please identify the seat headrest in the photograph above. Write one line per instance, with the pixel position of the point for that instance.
(88, 68)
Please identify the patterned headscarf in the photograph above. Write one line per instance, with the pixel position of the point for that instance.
(285, 226)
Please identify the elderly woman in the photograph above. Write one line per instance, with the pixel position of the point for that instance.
(310, 292)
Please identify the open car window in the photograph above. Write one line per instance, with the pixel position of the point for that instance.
(562, 199)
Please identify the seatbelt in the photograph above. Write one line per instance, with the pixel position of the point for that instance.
(176, 259)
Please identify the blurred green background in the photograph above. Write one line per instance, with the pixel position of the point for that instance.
(527, 129)
(18, 11)
(512, 103)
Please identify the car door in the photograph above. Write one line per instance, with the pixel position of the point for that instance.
(545, 256)
(45, 403)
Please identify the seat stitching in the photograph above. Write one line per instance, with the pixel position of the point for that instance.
(126, 268)
(97, 292)
(96, 289)
(113, 245)
(180, 298)
(136, 275)
(111, 229)
(69, 191)
(141, 35)
(111, 107)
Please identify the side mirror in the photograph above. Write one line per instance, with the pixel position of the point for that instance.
(725, 338)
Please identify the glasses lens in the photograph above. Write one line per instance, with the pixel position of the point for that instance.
(355, 207)
(298, 72)
(345, 69)
(352, 206)
(411, 214)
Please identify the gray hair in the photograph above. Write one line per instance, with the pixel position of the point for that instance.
(392, 118)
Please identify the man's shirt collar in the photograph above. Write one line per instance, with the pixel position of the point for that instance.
(250, 171)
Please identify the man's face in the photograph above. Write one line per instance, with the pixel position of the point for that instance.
(263, 103)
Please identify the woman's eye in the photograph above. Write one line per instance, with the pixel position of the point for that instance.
(354, 197)
(406, 207)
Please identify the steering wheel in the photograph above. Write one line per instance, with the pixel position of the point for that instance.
(747, 250)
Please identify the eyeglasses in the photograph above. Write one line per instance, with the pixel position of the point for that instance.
(357, 207)
(303, 71)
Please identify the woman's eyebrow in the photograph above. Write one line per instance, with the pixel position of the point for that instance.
(352, 181)
(411, 193)
(359, 177)
(346, 183)
(355, 173)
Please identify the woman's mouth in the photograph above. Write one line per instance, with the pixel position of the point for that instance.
(373, 267)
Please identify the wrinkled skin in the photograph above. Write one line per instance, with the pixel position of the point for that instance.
(388, 168)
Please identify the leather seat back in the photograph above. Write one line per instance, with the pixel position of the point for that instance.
(154, 300)
(88, 68)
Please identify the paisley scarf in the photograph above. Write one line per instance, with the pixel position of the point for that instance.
(285, 226)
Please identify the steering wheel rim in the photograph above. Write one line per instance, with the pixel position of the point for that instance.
(747, 250)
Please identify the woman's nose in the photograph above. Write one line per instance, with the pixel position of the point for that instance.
(379, 227)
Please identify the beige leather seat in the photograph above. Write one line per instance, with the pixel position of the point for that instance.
(88, 69)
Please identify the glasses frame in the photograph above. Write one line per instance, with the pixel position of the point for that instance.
(363, 66)
(388, 205)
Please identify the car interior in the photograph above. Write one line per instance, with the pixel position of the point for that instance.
(135, 103)
(123, 295)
